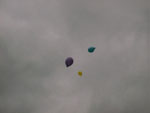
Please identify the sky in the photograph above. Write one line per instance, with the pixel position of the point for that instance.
(36, 36)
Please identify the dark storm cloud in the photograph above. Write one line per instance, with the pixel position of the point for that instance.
(37, 36)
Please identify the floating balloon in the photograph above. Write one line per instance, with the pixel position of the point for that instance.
(91, 49)
(69, 61)
(80, 73)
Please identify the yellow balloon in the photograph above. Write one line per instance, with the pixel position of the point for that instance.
(80, 73)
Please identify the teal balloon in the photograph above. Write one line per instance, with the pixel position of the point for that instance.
(91, 49)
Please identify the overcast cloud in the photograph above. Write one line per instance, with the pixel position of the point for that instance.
(37, 35)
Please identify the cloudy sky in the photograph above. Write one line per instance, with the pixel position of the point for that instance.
(36, 36)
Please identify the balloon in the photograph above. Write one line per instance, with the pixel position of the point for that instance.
(80, 73)
(91, 49)
(69, 61)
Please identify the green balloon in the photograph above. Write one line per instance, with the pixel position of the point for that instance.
(91, 49)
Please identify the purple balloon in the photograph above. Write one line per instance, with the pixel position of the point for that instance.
(69, 61)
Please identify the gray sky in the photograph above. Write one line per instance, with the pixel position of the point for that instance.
(36, 36)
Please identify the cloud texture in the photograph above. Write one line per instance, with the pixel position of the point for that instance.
(37, 35)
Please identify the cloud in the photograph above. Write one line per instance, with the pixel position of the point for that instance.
(36, 37)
